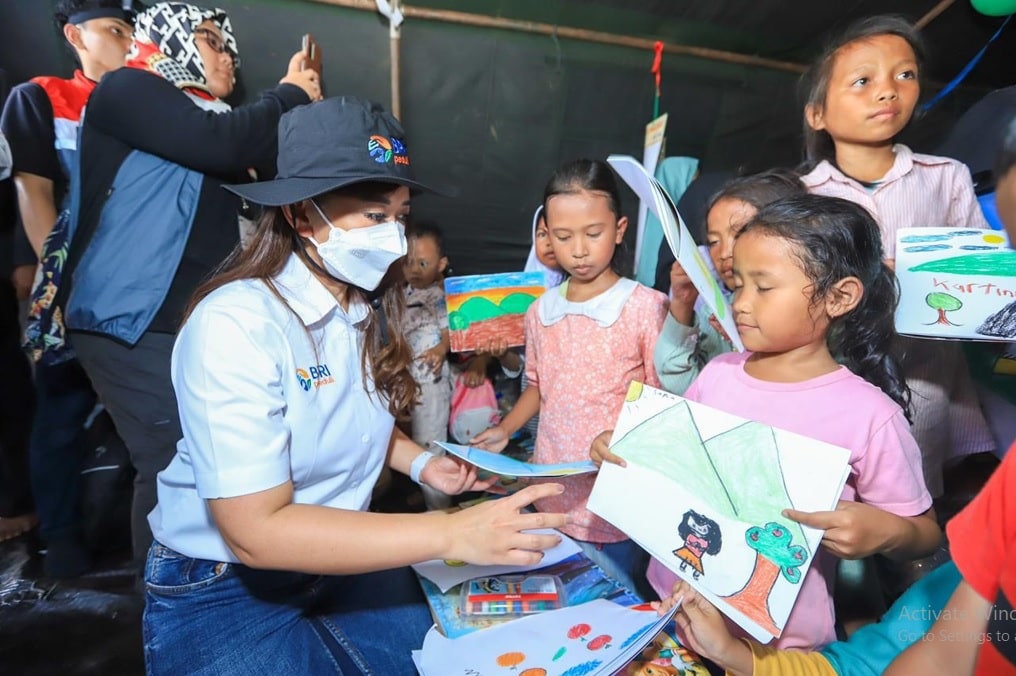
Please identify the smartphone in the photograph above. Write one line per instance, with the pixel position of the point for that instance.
(312, 53)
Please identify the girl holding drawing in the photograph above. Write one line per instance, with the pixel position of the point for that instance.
(512, 360)
(586, 340)
(541, 259)
(814, 307)
(689, 338)
(862, 92)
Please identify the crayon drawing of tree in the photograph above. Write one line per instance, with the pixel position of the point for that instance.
(738, 474)
(943, 302)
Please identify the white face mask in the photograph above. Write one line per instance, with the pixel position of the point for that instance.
(361, 256)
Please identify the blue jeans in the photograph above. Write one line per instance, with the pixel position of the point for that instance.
(207, 618)
(623, 561)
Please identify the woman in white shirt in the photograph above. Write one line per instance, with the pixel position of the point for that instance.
(289, 372)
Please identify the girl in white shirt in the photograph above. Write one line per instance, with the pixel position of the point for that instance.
(290, 371)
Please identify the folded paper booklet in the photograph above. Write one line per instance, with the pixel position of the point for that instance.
(678, 238)
(704, 492)
(956, 283)
(498, 463)
(595, 638)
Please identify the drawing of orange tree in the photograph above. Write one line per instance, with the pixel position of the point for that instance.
(738, 474)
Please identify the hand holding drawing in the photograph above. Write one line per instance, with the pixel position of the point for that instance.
(855, 530)
(452, 476)
(715, 323)
(599, 451)
(491, 439)
(683, 295)
(492, 532)
(495, 347)
(704, 630)
(498, 348)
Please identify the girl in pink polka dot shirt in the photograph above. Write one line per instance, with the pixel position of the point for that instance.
(586, 340)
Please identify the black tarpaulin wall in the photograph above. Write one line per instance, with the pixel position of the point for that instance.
(491, 113)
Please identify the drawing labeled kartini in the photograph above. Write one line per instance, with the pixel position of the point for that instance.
(738, 473)
(968, 277)
(482, 307)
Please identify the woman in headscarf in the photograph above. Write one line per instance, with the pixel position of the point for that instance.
(150, 219)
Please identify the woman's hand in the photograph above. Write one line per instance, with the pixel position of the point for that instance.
(599, 451)
(308, 80)
(452, 476)
(491, 533)
(683, 295)
(491, 439)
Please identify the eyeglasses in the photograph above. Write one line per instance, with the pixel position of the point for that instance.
(217, 44)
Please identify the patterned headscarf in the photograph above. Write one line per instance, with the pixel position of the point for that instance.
(168, 28)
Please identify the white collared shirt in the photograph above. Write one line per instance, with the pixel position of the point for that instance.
(261, 403)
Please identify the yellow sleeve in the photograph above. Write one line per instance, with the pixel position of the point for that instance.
(775, 662)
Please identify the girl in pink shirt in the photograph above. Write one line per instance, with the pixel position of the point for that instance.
(862, 93)
(586, 340)
(814, 307)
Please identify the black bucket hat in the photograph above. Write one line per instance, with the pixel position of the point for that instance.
(330, 144)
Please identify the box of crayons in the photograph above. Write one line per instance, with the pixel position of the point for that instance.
(511, 595)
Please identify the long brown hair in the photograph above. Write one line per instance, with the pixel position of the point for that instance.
(386, 354)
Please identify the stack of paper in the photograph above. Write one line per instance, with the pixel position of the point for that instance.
(594, 638)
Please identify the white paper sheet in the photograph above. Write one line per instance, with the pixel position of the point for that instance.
(956, 283)
(703, 493)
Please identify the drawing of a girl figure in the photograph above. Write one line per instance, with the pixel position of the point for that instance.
(701, 536)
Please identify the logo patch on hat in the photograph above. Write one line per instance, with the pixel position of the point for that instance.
(385, 150)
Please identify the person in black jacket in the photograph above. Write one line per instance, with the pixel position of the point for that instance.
(151, 220)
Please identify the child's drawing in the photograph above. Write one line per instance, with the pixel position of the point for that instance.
(695, 473)
(678, 238)
(701, 536)
(966, 277)
(482, 307)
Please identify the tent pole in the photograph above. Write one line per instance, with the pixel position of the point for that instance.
(395, 54)
(467, 19)
(933, 13)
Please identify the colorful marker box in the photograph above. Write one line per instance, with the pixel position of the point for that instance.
(511, 595)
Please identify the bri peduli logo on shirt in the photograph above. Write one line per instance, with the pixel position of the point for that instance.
(314, 377)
